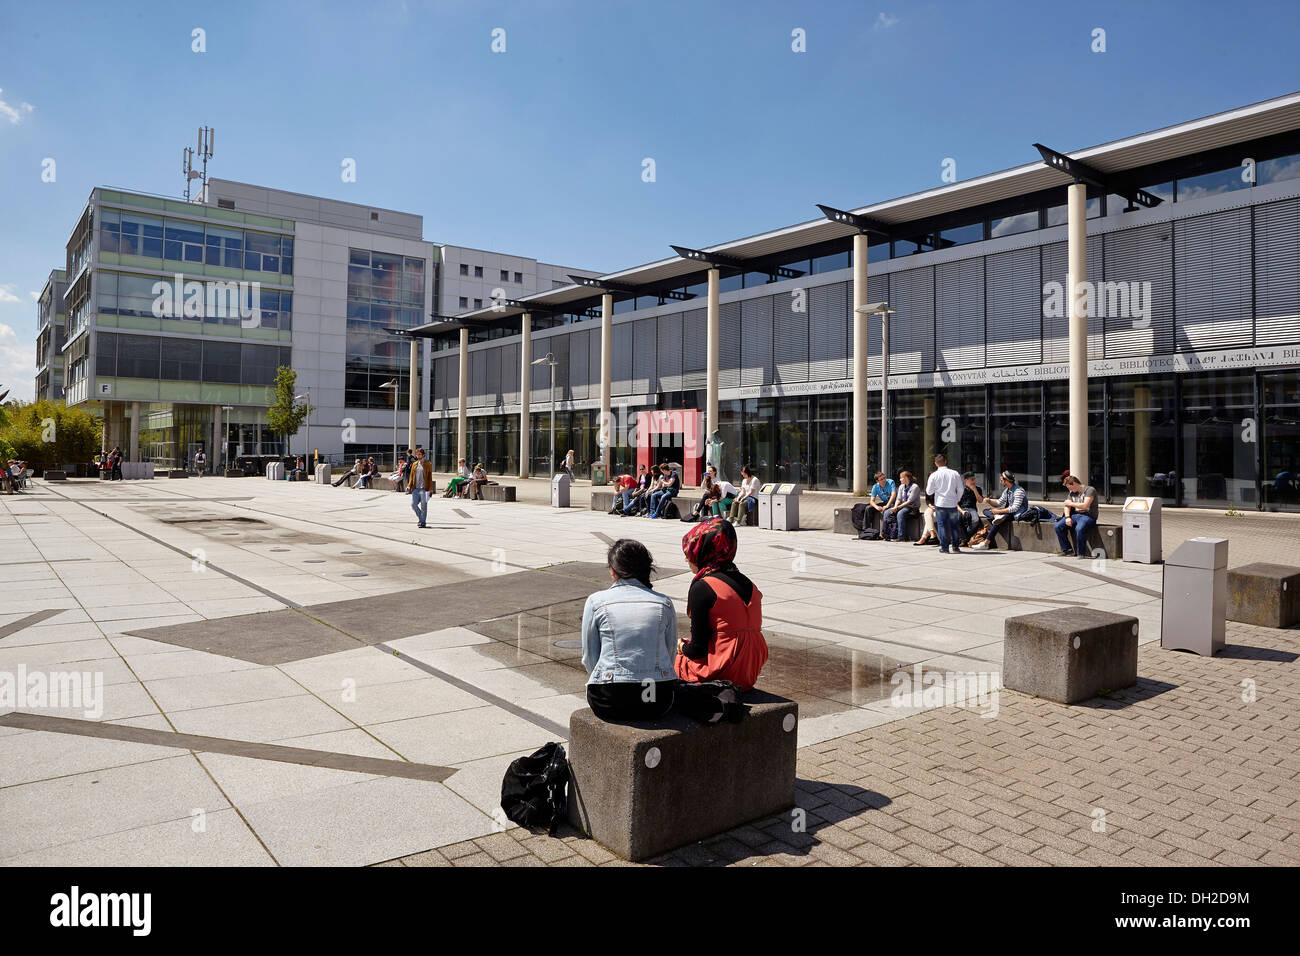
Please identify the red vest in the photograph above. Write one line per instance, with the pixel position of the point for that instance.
(737, 652)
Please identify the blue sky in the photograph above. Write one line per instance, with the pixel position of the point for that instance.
(538, 150)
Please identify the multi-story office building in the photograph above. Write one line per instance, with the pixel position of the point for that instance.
(180, 313)
(50, 337)
(1192, 341)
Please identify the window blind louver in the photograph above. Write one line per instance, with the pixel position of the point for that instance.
(1056, 329)
(1013, 326)
(829, 335)
(911, 327)
(694, 349)
(959, 314)
(643, 357)
(790, 338)
(1277, 273)
(1142, 255)
(756, 341)
(1212, 281)
(670, 352)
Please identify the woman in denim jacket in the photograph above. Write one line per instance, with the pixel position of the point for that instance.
(629, 637)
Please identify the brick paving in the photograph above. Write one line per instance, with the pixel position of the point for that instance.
(1184, 769)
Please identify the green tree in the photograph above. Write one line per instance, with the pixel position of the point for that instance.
(48, 434)
(285, 416)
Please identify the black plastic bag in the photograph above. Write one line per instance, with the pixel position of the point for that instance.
(533, 789)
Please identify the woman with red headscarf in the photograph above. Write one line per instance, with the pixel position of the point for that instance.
(725, 609)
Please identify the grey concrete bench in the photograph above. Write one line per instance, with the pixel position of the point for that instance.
(1041, 537)
(644, 788)
(178, 473)
(843, 524)
(604, 500)
(55, 476)
(234, 473)
(498, 492)
(1069, 654)
(1264, 594)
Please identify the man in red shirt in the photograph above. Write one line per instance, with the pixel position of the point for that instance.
(626, 490)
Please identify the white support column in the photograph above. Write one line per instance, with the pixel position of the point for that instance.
(525, 388)
(462, 412)
(412, 422)
(135, 432)
(606, 425)
(214, 449)
(711, 370)
(1078, 319)
(861, 426)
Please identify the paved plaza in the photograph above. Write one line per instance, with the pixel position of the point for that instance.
(294, 674)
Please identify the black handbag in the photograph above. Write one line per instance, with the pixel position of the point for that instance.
(533, 789)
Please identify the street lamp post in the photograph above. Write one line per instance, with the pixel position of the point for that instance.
(394, 384)
(224, 443)
(883, 310)
(549, 359)
(307, 453)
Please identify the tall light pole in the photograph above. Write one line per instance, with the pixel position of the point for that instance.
(394, 384)
(227, 409)
(307, 453)
(549, 359)
(883, 310)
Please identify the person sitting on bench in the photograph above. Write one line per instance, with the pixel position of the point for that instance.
(1080, 514)
(624, 485)
(746, 499)
(907, 504)
(297, 473)
(726, 611)
(638, 499)
(1010, 506)
(669, 484)
(356, 470)
(708, 487)
(462, 476)
(629, 635)
(474, 487)
(881, 497)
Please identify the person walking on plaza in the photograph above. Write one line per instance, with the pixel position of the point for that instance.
(1080, 514)
(725, 609)
(200, 462)
(946, 486)
(421, 487)
(568, 464)
(629, 636)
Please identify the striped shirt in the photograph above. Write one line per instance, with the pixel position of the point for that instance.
(1014, 499)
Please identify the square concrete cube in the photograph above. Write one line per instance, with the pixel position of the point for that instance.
(644, 788)
(1264, 594)
(1070, 654)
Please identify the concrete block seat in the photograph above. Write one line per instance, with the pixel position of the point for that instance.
(843, 524)
(1264, 594)
(1041, 537)
(235, 473)
(644, 788)
(55, 476)
(604, 500)
(179, 473)
(1069, 654)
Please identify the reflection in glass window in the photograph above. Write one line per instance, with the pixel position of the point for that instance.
(830, 263)
(1277, 170)
(1212, 184)
(963, 234)
(1011, 225)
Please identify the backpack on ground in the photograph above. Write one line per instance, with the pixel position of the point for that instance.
(890, 525)
(533, 789)
(858, 517)
(869, 534)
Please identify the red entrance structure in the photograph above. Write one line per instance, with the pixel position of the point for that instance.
(673, 435)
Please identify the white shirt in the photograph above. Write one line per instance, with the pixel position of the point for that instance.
(749, 487)
(727, 488)
(946, 485)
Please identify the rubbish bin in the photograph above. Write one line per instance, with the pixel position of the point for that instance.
(275, 471)
(599, 473)
(785, 508)
(1141, 542)
(323, 474)
(560, 490)
(764, 497)
(1194, 602)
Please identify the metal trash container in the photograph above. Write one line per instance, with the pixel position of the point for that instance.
(599, 473)
(785, 508)
(1142, 530)
(323, 474)
(560, 490)
(1194, 602)
(275, 471)
(764, 497)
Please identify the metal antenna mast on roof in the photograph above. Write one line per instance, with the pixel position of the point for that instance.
(204, 151)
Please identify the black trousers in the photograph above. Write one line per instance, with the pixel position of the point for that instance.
(626, 700)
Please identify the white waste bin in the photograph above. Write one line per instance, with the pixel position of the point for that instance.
(765, 505)
(785, 508)
(1194, 598)
(1141, 540)
(560, 490)
(323, 474)
(275, 470)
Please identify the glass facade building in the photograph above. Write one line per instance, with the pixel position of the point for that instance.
(1193, 343)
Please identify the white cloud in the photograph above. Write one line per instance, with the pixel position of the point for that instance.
(7, 294)
(17, 365)
(885, 20)
(36, 296)
(14, 114)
